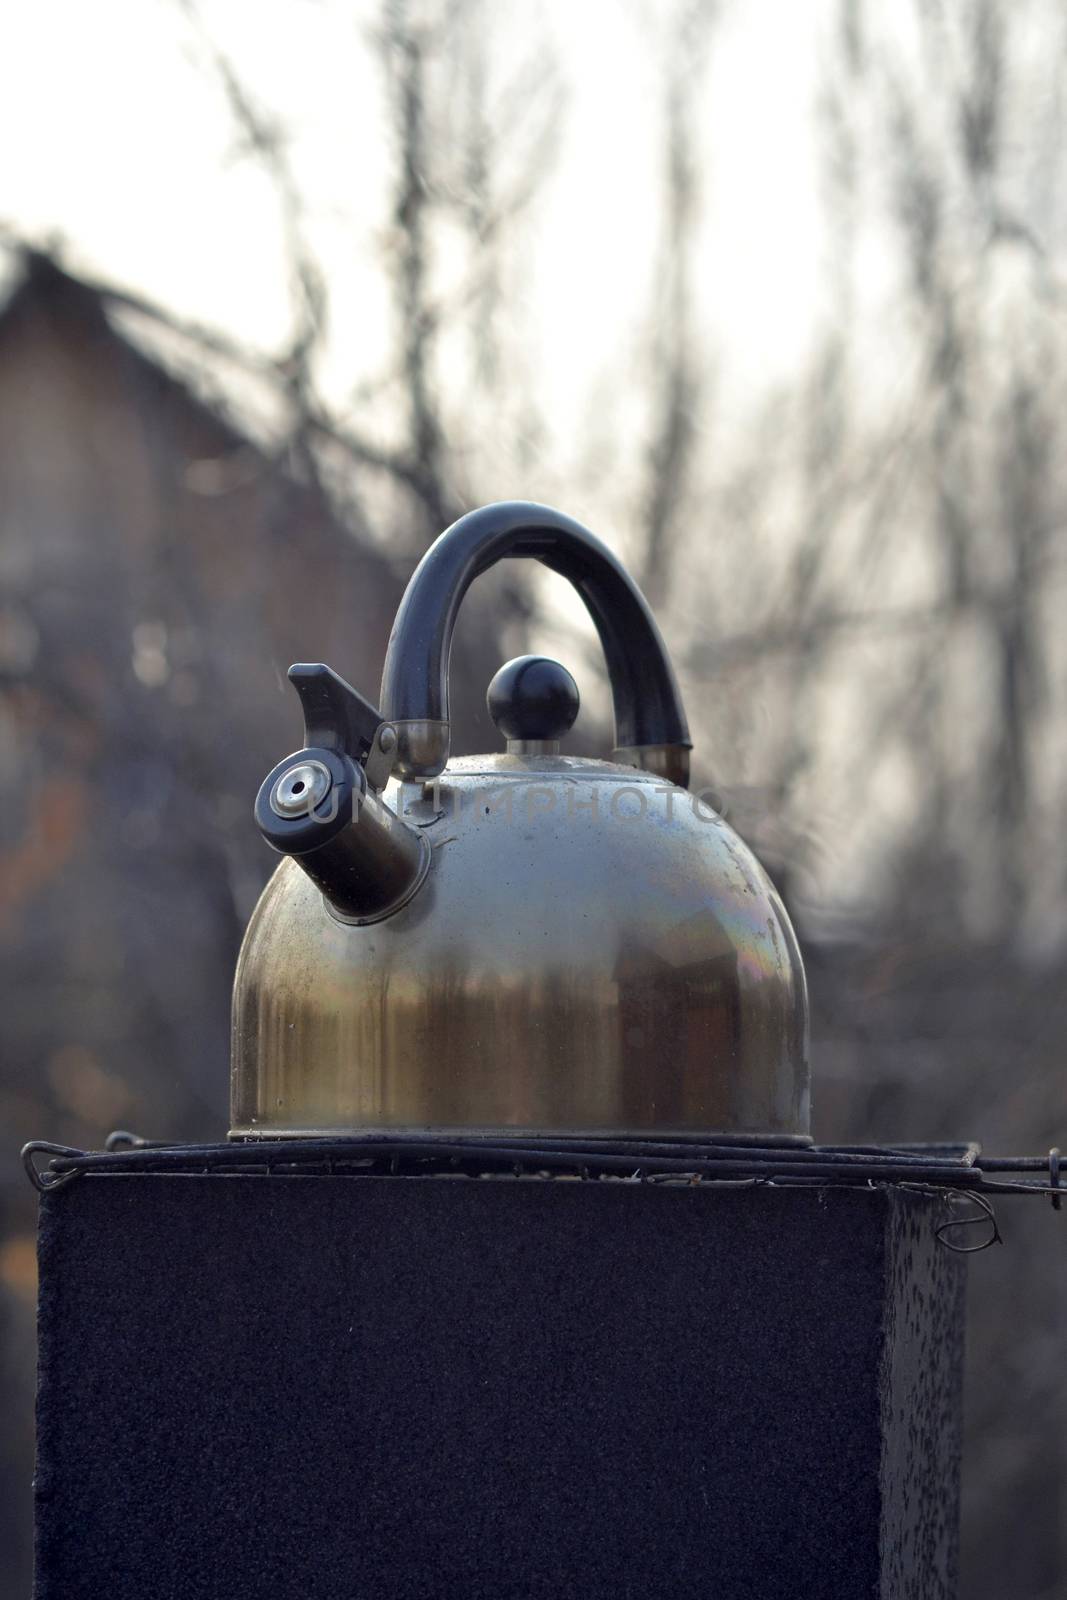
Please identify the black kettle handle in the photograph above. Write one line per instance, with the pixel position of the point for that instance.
(650, 726)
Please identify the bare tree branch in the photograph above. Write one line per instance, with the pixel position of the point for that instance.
(677, 373)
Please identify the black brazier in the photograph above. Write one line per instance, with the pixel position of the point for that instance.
(392, 1386)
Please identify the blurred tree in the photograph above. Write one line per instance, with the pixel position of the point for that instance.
(868, 574)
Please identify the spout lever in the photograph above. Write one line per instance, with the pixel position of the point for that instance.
(322, 804)
(337, 717)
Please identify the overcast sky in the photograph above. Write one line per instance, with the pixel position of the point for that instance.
(117, 139)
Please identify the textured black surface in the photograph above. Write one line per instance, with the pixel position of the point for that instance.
(921, 1411)
(343, 1387)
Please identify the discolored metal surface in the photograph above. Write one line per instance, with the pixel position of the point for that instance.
(592, 949)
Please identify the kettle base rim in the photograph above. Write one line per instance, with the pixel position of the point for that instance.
(251, 1134)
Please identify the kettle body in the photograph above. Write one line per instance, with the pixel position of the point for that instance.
(520, 942)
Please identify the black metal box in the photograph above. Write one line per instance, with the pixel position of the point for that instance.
(342, 1387)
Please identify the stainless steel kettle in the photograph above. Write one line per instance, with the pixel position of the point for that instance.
(522, 941)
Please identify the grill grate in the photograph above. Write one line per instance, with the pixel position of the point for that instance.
(951, 1166)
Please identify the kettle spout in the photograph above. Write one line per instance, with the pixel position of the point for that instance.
(319, 805)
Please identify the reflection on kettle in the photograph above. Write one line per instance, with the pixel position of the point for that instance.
(520, 941)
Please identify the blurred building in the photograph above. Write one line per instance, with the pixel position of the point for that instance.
(158, 573)
(159, 570)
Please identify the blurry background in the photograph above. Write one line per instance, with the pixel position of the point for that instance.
(775, 299)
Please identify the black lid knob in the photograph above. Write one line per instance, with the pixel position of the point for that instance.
(533, 697)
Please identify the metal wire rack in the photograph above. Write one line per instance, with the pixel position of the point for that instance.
(950, 1166)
